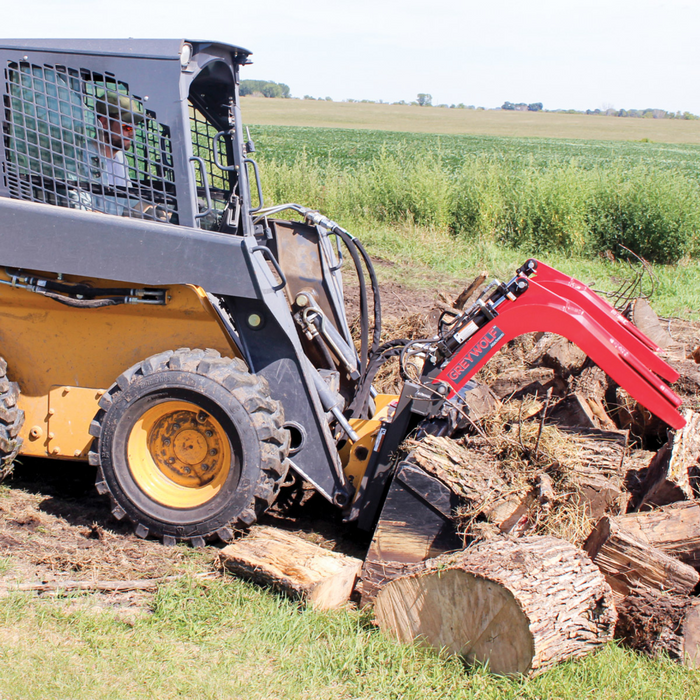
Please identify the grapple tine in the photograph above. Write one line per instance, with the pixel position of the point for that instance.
(607, 316)
(541, 309)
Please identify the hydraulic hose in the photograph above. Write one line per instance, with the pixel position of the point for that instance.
(351, 245)
(394, 348)
(377, 332)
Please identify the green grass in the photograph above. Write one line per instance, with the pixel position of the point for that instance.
(431, 259)
(561, 207)
(582, 198)
(229, 639)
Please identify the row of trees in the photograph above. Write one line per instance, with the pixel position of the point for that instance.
(265, 88)
(522, 106)
(643, 113)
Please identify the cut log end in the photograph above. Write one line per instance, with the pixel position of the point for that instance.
(471, 616)
(520, 606)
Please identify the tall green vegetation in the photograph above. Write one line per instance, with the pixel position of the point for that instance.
(557, 207)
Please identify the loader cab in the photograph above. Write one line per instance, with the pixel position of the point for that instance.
(138, 129)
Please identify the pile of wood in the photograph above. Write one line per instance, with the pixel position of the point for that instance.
(569, 454)
(579, 512)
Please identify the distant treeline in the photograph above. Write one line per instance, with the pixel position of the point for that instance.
(638, 113)
(266, 88)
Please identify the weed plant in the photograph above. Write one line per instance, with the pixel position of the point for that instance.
(563, 207)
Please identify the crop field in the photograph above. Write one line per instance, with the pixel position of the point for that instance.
(452, 203)
(354, 148)
(436, 120)
(581, 198)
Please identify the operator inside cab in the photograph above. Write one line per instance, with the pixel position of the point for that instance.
(117, 116)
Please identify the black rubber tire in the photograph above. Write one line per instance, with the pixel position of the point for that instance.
(238, 400)
(11, 421)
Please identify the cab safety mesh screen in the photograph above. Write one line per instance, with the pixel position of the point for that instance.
(79, 139)
(204, 145)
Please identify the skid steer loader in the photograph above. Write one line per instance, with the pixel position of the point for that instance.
(161, 323)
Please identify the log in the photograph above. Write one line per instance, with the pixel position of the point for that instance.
(585, 405)
(300, 569)
(472, 473)
(467, 293)
(674, 529)
(669, 477)
(519, 382)
(559, 354)
(520, 606)
(598, 470)
(635, 469)
(630, 563)
(630, 415)
(656, 624)
(481, 401)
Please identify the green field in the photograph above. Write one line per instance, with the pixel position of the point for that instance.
(450, 203)
(353, 148)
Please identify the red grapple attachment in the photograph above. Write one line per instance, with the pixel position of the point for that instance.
(606, 315)
(553, 302)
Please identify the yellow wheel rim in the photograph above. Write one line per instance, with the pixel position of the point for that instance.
(179, 455)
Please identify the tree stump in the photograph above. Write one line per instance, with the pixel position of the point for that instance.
(301, 569)
(521, 606)
(630, 563)
(656, 623)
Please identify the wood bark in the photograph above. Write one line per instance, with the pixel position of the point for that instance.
(322, 578)
(518, 382)
(521, 606)
(630, 563)
(669, 476)
(656, 623)
(598, 470)
(473, 475)
(674, 529)
(481, 401)
(584, 407)
(561, 355)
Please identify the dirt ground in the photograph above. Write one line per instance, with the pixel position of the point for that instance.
(55, 527)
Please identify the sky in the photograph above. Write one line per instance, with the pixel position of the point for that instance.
(567, 54)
